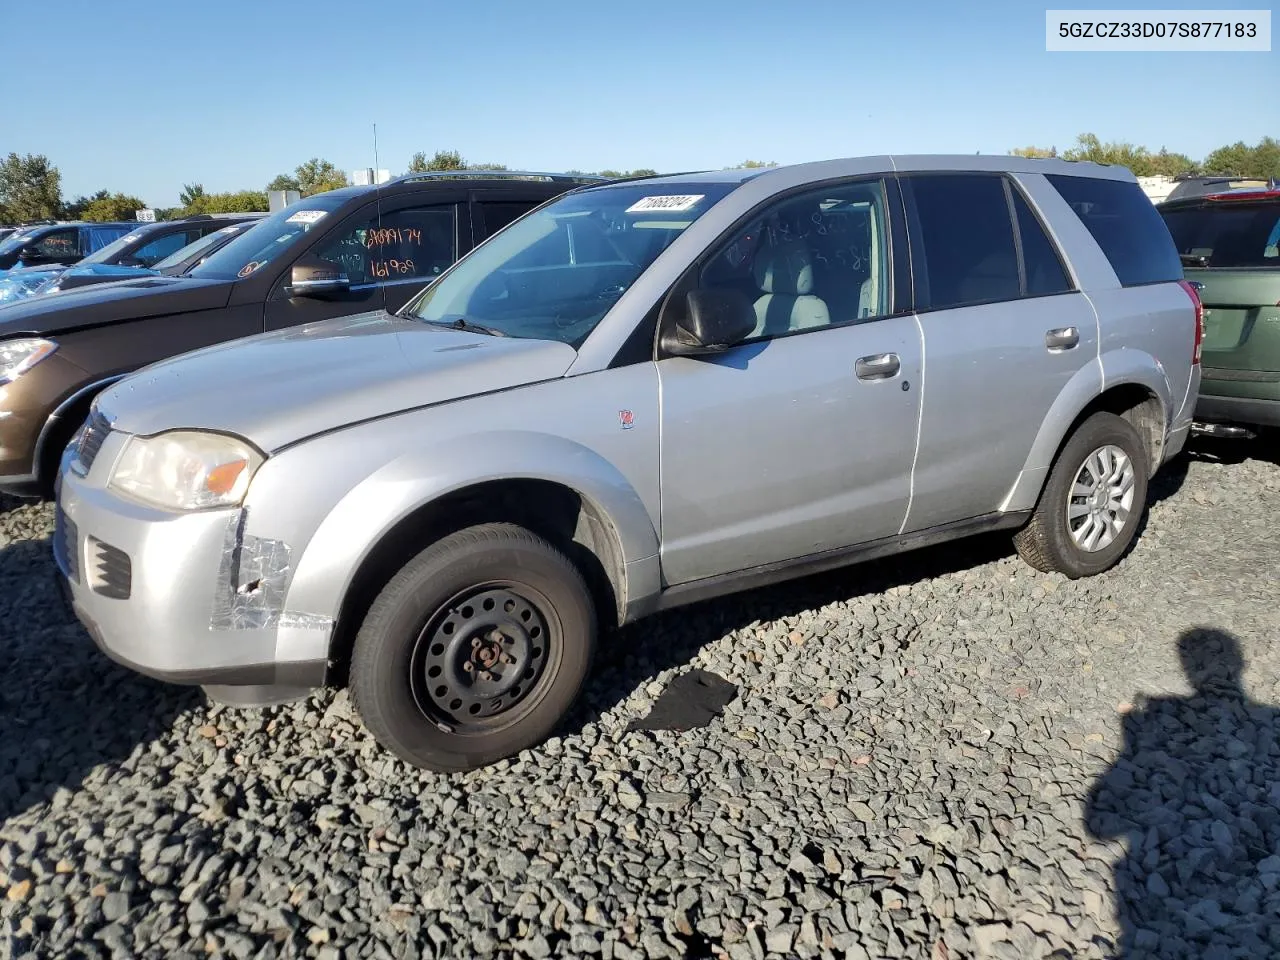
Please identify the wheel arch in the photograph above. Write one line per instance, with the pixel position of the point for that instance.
(1140, 397)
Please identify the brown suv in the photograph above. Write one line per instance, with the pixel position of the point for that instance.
(348, 251)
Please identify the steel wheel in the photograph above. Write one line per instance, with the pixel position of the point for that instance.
(1100, 501)
(480, 659)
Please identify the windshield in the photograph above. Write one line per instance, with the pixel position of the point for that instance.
(266, 239)
(114, 249)
(1227, 234)
(193, 248)
(15, 240)
(555, 273)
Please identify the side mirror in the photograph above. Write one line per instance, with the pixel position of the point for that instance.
(317, 278)
(715, 320)
(33, 255)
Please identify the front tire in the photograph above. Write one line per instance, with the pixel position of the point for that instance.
(475, 650)
(1093, 502)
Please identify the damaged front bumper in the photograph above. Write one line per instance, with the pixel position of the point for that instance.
(188, 598)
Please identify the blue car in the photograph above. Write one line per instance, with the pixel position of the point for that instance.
(57, 244)
(130, 255)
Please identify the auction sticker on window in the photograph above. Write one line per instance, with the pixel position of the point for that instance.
(667, 204)
(306, 216)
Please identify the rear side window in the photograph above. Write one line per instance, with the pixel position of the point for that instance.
(1227, 234)
(498, 213)
(1126, 225)
(1045, 275)
(963, 229)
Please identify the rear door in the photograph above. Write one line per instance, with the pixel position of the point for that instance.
(1232, 247)
(491, 210)
(1004, 331)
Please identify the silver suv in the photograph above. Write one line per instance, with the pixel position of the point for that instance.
(637, 395)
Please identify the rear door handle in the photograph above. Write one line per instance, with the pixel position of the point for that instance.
(1064, 338)
(882, 366)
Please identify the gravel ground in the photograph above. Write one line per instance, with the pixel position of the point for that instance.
(949, 755)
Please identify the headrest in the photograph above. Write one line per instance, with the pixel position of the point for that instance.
(784, 269)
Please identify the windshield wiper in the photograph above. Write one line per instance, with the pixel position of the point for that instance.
(462, 323)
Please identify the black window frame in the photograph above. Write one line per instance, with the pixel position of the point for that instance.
(897, 271)
(1012, 189)
(919, 257)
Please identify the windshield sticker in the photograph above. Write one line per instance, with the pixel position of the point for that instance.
(666, 204)
(306, 216)
(249, 267)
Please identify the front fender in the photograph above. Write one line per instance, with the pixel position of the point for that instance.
(1113, 369)
(375, 505)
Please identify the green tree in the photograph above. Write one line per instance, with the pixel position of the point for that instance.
(1166, 164)
(243, 201)
(1240, 159)
(117, 206)
(284, 181)
(1038, 153)
(442, 160)
(755, 164)
(190, 191)
(76, 208)
(318, 176)
(30, 187)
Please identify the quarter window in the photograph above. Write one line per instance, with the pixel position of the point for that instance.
(401, 245)
(1126, 225)
(810, 261)
(964, 235)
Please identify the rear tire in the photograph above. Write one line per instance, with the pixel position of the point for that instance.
(1093, 502)
(475, 650)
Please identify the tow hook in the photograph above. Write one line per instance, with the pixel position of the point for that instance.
(1228, 431)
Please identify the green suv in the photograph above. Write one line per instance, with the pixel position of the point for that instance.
(1230, 248)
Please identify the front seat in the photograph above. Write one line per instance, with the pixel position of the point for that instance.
(784, 275)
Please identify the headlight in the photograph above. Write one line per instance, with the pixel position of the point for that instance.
(19, 356)
(186, 470)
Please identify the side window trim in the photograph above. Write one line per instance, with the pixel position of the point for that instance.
(1073, 285)
(1017, 236)
(689, 277)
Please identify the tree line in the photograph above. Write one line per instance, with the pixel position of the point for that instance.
(31, 187)
(1260, 161)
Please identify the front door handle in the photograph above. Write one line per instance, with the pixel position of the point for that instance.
(882, 366)
(1064, 338)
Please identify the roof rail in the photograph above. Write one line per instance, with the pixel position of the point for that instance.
(496, 174)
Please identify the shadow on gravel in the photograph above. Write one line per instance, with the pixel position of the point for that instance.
(1196, 795)
(635, 654)
(64, 707)
(1264, 448)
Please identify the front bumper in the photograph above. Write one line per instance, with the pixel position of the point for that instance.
(184, 598)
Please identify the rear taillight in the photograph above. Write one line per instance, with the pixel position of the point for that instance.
(1195, 299)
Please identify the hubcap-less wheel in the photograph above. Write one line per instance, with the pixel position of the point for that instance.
(479, 657)
(1101, 499)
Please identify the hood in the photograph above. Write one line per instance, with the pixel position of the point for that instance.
(276, 388)
(23, 283)
(109, 302)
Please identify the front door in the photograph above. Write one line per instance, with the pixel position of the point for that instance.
(799, 440)
(389, 254)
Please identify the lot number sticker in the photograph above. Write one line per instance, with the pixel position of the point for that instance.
(306, 216)
(670, 204)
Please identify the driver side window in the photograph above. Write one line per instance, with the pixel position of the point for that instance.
(401, 245)
(814, 260)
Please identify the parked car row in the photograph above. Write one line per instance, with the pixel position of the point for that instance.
(339, 253)
(434, 437)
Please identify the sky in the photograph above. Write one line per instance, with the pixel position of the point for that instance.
(144, 98)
